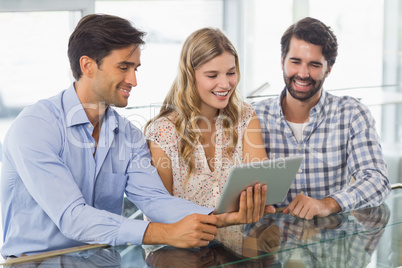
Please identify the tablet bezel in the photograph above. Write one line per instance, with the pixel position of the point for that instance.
(278, 174)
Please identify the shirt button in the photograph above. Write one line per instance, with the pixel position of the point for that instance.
(300, 170)
(92, 145)
(89, 125)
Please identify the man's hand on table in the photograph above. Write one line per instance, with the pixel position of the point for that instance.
(196, 230)
(306, 207)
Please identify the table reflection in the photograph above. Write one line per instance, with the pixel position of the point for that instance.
(281, 240)
(339, 240)
(101, 257)
(277, 240)
(214, 255)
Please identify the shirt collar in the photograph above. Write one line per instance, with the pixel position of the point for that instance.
(75, 114)
(320, 106)
(111, 119)
(73, 110)
(278, 104)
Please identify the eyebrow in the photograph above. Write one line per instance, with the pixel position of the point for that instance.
(214, 71)
(129, 63)
(311, 62)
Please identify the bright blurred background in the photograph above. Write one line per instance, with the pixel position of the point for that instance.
(34, 64)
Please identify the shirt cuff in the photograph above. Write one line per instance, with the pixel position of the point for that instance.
(343, 200)
(131, 232)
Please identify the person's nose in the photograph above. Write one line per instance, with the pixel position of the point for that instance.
(131, 78)
(224, 82)
(303, 71)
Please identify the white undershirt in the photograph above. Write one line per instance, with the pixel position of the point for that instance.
(297, 129)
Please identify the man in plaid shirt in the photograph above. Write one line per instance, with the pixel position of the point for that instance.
(344, 168)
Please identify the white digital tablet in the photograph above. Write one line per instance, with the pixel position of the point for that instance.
(278, 174)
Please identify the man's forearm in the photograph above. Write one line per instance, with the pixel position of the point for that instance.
(332, 205)
(156, 233)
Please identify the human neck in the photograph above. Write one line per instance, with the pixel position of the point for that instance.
(94, 109)
(209, 114)
(298, 111)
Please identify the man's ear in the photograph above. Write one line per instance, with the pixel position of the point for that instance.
(88, 66)
(329, 71)
(282, 63)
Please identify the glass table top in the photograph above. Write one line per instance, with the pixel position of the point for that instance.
(362, 238)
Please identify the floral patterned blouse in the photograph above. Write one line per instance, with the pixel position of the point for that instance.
(203, 186)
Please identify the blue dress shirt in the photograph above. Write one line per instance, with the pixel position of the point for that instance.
(55, 194)
(339, 144)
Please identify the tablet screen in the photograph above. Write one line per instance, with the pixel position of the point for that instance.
(278, 174)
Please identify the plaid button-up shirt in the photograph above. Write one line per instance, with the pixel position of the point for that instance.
(339, 143)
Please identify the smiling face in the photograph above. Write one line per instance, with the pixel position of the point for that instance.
(215, 82)
(116, 76)
(304, 70)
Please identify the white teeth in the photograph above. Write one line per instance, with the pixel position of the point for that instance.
(301, 83)
(124, 90)
(221, 94)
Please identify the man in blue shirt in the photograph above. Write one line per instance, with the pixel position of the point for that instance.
(69, 159)
(344, 167)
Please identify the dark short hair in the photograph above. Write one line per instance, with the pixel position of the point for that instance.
(315, 32)
(96, 35)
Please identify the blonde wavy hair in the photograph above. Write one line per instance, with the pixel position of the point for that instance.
(200, 47)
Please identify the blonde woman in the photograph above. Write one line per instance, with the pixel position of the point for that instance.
(203, 128)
